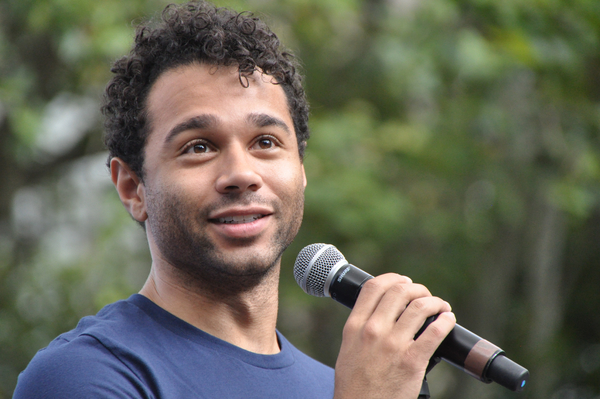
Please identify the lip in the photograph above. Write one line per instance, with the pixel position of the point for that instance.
(240, 223)
(238, 212)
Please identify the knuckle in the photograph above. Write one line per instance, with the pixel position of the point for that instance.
(419, 304)
(423, 290)
(436, 331)
(396, 278)
(371, 330)
(448, 319)
(374, 285)
(399, 288)
(384, 281)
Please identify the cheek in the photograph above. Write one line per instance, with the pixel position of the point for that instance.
(188, 183)
(289, 181)
(182, 192)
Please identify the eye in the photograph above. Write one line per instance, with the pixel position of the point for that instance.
(265, 143)
(197, 147)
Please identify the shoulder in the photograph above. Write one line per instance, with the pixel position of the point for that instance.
(85, 362)
(82, 367)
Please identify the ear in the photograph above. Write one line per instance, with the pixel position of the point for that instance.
(130, 188)
(304, 176)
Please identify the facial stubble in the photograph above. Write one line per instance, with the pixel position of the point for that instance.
(180, 232)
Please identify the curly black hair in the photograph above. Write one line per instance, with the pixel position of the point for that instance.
(184, 34)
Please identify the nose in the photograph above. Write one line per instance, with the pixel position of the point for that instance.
(238, 173)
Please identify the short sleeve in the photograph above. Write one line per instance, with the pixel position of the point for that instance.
(82, 368)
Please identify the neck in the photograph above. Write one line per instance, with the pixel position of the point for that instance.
(246, 318)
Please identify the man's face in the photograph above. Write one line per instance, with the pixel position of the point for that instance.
(223, 181)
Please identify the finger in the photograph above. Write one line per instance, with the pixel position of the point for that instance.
(415, 314)
(372, 292)
(395, 301)
(427, 343)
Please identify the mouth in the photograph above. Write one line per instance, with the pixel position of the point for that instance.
(241, 222)
(238, 219)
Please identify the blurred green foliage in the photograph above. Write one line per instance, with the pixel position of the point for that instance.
(454, 141)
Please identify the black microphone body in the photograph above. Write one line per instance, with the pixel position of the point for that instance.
(321, 270)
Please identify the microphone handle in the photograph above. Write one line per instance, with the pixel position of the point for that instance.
(347, 283)
(461, 348)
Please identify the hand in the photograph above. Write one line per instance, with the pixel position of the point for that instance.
(379, 357)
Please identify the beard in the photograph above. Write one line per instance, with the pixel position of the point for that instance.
(180, 233)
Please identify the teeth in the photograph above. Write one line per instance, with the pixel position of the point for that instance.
(240, 219)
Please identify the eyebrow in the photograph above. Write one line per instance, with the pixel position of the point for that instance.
(205, 121)
(264, 120)
(197, 122)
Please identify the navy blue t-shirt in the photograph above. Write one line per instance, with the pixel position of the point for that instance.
(135, 349)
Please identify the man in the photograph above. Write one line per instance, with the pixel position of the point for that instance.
(206, 128)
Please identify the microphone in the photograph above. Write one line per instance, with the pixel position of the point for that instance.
(321, 270)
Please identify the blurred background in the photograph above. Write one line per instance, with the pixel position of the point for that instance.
(453, 141)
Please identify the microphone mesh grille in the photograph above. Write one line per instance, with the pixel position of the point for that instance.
(312, 278)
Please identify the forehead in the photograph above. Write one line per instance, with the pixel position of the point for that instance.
(200, 89)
